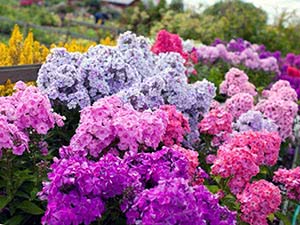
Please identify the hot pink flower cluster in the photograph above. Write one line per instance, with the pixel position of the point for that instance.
(236, 81)
(291, 180)
(110, 123)
(258, 200)
(239, 104)
(27, 110)
(218, 123)
(241, 157)
(177, 127)
(168, 42)
(280, 106)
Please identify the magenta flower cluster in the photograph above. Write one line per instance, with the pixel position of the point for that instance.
(291, 180)
(26, 111)
(239, 104)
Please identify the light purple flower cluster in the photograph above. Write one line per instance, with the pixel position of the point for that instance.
(238, 52)
(26, 111)
(175, 202)
(256, 121)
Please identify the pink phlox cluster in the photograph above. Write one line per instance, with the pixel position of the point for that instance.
(236, 81)
(12, 138)
(241, 157)
(280, 106)
(26, 111)
(217, 122)
(239, 104)
(111, 123)
(258, 201)
(281, 90)
(291, 180)
(177, 127)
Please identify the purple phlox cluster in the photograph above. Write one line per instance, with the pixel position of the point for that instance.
(239, 104)
(280, 106)
(78, 188)
(256, 121)
(173, 201)
(26, 111)
(236, 81)
(239, 52)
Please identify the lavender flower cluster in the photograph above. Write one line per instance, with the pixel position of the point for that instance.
(239, 52)
(256, 121)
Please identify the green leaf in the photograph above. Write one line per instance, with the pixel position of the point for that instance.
(213, 188)
(15, 220)
(283, 218)
(4, 201)
(271, 217)
(31, 208)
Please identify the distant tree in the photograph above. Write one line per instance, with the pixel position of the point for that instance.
(177, 5)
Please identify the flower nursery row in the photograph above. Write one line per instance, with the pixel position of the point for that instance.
(135, 134)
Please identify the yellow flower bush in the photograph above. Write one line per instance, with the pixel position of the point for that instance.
(21, 51)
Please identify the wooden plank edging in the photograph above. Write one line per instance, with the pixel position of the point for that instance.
(22, 72)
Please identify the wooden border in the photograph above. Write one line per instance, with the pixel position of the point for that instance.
(16, 73)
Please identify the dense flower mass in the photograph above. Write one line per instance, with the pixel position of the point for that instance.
(110, 122)
(26, 111)
(175, 202)
(236, 81)
(241, 157)
(258, 200)
(291, 180)
(77, 188)
(279, 105)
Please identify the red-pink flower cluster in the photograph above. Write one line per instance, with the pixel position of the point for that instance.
(236, 81)
(218, 123)
(177, 126)
(291, 180)
(168, 42)
(280, 106)
(241, 157)
(258, 200)
(239, 104)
